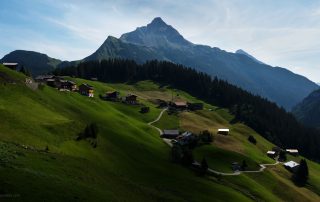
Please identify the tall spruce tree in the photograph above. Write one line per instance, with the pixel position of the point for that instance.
(300, 176)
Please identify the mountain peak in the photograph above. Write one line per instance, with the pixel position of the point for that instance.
(157, 21)
(156, 34)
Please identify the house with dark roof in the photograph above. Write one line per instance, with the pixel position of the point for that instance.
(112, 95)
(131, 99)
(68, 85)
(86, 89)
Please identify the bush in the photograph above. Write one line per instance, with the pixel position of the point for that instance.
(252, 139)
(144, 110)
(244, 165)
(282, 156)
(204, 166)
(206, 137)
(90, 131)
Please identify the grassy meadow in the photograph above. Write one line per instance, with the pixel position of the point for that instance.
(41, 160)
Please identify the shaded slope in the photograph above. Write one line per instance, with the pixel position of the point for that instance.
(36, 63)
(308, 111)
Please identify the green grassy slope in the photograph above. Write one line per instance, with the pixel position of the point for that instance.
(266, 186)
(131, 162)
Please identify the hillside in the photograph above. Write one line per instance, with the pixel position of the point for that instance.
(41, 160)
(36, 63)
(308, 111)
(161, 41)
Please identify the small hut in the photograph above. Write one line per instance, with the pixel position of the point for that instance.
(223, 131)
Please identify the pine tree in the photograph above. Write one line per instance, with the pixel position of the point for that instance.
(244, 165)
(204, 166)
(300, 176)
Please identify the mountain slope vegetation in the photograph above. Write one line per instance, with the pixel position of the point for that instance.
(41, 160)
(267, 118)
(308, 111)
(36, 63)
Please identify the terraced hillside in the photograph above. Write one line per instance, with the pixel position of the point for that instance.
(41, 160)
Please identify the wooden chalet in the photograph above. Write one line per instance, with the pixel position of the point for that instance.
(170, 134)
(86, 89)
(112, 95)
(13, 66)
(68, 85)
(223, 131)
(293, 152)
(131, 99)
(272, 154)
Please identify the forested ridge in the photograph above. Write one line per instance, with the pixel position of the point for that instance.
(271, 121)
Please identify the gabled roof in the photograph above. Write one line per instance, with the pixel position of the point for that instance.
(86, 85)
(291, 164)
(292, 150)
(271, 152)
(186, 134)
(171, 132)
(71, 82)
(223, 130)
(41, 77)
(180, 103)
(9, 64)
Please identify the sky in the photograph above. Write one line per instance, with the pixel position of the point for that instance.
(282, 33)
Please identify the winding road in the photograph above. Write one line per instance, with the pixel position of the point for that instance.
(168, 142)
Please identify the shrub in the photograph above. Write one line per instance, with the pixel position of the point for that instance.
(204, 166)
(252, 139)
(244, 165)
(206, 137)
(282, 156)
(90, 131)
(144, 110)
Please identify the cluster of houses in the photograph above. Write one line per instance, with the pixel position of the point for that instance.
(115, 97)
(183, 105)
(186, 137)
(276, 151)
(290, 165)
(182, 139)
(65, 85)
(175, 133)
